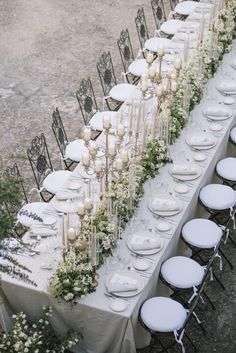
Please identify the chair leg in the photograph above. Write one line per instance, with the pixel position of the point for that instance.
(189, 339)
(226, 259)
(232, 241)
(209, 300)
(218, 280)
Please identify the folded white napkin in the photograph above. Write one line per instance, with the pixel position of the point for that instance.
(163, 205)
(216, 111)
(122, 283)
(201, 140)
(183, 169)
(42, 231)
(227, 86)
(140, 242)
(66, 195)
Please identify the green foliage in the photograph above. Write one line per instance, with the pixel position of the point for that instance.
(10, 203)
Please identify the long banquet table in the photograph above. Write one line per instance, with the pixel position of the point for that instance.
(104, 330)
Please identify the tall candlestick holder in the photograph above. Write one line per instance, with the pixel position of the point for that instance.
(160, 59)
(94, 243)
(106, 132)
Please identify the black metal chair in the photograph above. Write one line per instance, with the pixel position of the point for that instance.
(181, 10)
(89, 108)
(146, 42)
(114, 93)
(86, 99)
(61, 138)
(232, 136)
(159, 306)
(173, 3)
(220, 202)
(127, 56)
(175, 316)
(47, 180)
(201, 236)
(225, 170)
(142, 29)
(158, 10)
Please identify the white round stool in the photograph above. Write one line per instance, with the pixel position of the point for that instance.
(232, 135)
(226, 170)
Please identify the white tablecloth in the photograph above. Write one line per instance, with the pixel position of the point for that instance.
(104, 330)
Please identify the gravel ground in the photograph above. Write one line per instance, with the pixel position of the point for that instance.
(47, 48)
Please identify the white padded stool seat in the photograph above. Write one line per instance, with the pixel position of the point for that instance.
(121, 92)
(138, 67)
(233, 134)
(33, 207)
(163, 314)
(202, 233)
(152, 44)
(182, 272)
(96, 121)
(218, 197)
(226, 168)
(171, 27)
(75, 150)
(56, 180)
(185, 8)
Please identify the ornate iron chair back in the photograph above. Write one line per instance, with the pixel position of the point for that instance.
(173, 3)
(86, 99)
(106, 73)
(39, 159)
(141, 26)
(125, 48)
(158, 10)
(59, 131)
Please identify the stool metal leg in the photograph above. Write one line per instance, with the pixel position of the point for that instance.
(226, 259)
(189, 339)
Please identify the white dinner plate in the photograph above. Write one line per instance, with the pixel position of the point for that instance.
(181, 189)
(199, 157)
(228, 100)
(215, 127)
(145, 252)
(35, 208)
(227, 87)
(42, 231)
(166, 213)
(118, 305)
(74, 185)
(233, 64)
(132, 275)
(163, 226)
(65, 206)
(184, 177)
(223, 113)
(49, 220)
(141, 265)
(201, 147)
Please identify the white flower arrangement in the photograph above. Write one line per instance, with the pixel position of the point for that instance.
(37, 337)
